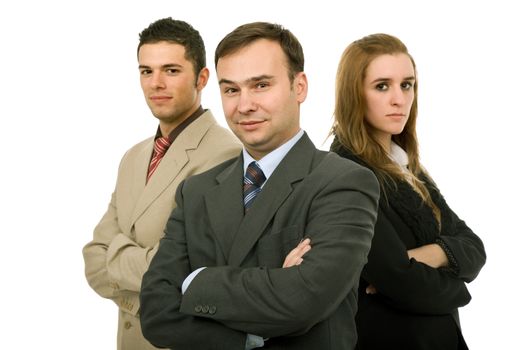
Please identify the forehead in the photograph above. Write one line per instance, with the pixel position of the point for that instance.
(390, 67)
(262, 57)
(162, 52)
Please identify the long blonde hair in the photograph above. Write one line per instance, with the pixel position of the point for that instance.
(350, 126)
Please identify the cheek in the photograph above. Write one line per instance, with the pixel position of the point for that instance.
(376, 106)
(410, 102)
(228, 107)
(143, 84)
(371, 112)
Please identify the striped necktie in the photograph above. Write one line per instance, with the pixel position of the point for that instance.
(253, 180)
(159, 149)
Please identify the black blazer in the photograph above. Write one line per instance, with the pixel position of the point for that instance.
(416, 305)
(244, 288)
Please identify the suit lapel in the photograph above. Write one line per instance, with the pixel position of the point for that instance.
(293, 168)
(224, 204)
(171, 164)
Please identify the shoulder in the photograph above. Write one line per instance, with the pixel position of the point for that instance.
(334, 172)
(338, 161)
(209, 177)
(346, 153)
(333, 163)
(143, 146)
(221, 136)
(214, 135)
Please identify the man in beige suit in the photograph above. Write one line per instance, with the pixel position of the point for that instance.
(172, 60)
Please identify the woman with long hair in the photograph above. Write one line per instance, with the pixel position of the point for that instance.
(422, 254)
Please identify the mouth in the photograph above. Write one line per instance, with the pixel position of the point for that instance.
(249, 122)
(396, 116)
(250, 125)
(160, 98)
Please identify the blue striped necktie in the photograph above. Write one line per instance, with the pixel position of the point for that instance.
(253, 180)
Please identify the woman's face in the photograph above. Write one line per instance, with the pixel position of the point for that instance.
(389, 93)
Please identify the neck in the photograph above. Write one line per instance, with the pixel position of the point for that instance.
(166, 127)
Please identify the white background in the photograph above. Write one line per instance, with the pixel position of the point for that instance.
(71, 105)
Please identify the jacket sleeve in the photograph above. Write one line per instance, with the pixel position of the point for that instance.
(273, 302)
(405, 283)
(466, 247)
(162, 323)
(463, 247)
(114, 263)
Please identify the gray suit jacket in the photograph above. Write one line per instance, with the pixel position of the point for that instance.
(244, 289)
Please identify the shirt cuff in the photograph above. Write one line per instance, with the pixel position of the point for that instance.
(190, 278)
(253, 341)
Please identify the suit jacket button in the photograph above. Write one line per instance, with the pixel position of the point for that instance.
(212, 310)
(198, 308)
(205, 309)
(127, 325)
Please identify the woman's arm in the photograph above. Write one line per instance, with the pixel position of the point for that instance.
(405, 283)
(466, 247)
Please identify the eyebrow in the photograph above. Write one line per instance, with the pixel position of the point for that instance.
(389, 79)
(249, 80)
(164, 66)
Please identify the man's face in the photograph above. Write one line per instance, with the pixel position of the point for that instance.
(260, 103)
(168, 81)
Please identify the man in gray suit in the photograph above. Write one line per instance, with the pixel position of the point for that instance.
(218, 280)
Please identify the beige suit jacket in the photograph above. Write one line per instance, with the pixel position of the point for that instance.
(126, 238)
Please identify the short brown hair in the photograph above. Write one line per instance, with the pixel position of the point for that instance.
(178, 32)
(246, 34)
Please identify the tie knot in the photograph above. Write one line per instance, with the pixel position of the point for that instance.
(161, 145)
(254, 175)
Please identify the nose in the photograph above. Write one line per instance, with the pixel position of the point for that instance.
(157, 81)
(246, 103)
(398, 97)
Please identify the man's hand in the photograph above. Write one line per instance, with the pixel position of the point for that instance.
(430, 254)
(295, 257)
(370, 289)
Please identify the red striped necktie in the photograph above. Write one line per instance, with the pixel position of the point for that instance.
(159, 149)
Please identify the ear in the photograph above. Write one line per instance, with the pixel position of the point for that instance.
(301, 86)
(202, 78)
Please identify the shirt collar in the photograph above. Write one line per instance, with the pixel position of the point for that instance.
(180, 128)
(269, 162)
(398, 155)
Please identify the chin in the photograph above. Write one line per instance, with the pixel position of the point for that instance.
(397, 131)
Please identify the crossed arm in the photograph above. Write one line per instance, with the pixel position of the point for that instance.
(269, 302)
(413, 280)
(114, 263)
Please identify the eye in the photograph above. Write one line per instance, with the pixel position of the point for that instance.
(172, 71)
(381, 87)
(407, 85)
(262, 85)
(145, 71)
(229, 91)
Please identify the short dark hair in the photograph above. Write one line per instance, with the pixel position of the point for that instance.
(179, 32)
(250, 32)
